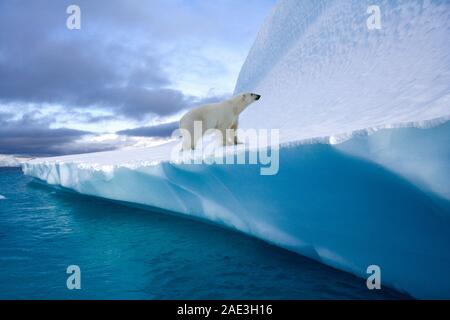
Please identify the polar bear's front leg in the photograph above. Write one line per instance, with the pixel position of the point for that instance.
(234, 128)
(227, 139)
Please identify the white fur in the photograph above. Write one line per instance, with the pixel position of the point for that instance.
(221, 116)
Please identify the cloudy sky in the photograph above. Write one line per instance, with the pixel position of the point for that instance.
(124, 78)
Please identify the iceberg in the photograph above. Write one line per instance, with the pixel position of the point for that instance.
(9, 161)
(364, 151)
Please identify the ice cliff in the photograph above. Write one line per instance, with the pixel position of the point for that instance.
(364, 157)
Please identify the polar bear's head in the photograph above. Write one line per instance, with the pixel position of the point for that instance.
(248, 98)
(242, 101)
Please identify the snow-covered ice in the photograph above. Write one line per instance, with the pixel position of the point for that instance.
(9, 161)
(364, 157)
(2, 197)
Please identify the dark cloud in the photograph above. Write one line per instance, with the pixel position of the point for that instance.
(134, 102)
(160, 131)
(29, 136)
(43, 62)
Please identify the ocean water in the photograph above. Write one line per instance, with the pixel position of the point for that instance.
(130, 253)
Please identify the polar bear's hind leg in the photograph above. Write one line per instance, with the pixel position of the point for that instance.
(188, 139)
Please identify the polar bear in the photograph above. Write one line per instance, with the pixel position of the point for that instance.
(221, 116)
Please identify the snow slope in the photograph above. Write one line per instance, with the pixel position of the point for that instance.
(364, 156)
(322, 72)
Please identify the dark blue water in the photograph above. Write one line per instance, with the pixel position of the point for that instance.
(129, 253)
